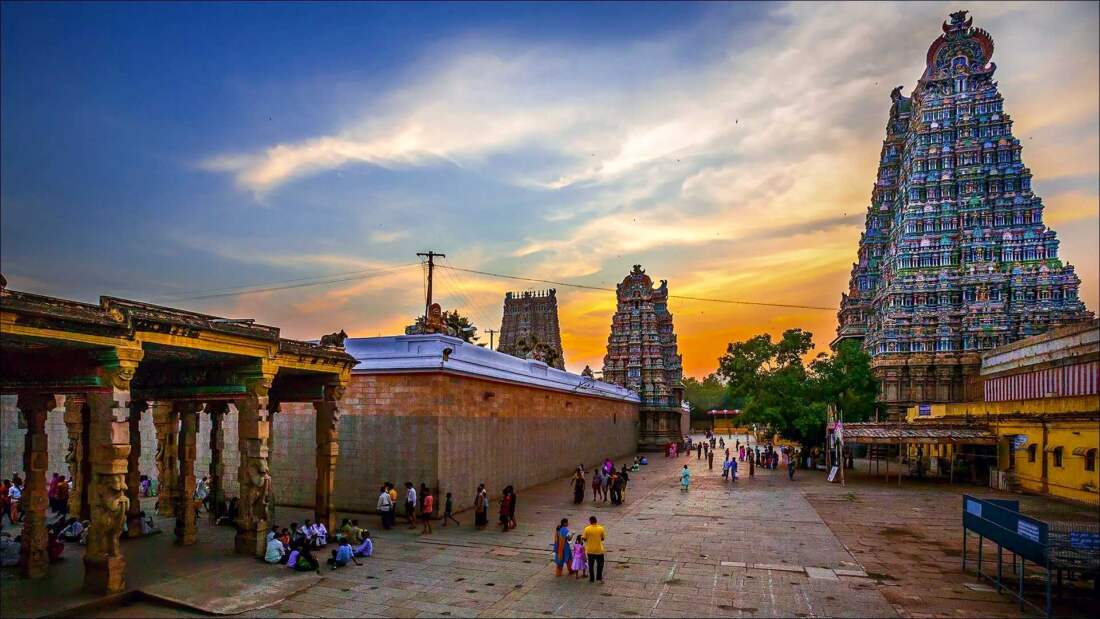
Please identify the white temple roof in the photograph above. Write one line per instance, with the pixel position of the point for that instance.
(424, 353)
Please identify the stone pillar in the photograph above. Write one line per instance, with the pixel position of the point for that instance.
(217, 412)
(32, 554)
(167, 423)
(328, 448)
(108, 436)
(74, 457)
(255, 480)
(185, 488)
(133, 473)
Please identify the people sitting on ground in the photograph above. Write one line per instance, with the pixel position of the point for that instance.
(275, 553)
(303, 560)
(54, 548)
(343, 554)
(320, 535)
(9, 549)
(229, 512)
(307, 531)
(298, 536)
(346, 531)
(366, 546)
(148, 525)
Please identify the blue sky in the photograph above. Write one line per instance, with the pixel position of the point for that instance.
(155, 150)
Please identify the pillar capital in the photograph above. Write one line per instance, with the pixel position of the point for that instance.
(117, 365)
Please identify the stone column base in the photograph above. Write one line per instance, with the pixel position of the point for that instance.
(250, 542)
(105, 575)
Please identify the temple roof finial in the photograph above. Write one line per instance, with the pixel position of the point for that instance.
(959, 21)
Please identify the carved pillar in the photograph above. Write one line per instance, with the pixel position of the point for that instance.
(217, 412)
(32, 554)
(167, 423)
(75, 457)
(133, 473)
(253, 475)
(185, 488)
(108, 436)
(328, 448)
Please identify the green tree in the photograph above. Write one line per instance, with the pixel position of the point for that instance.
(461, 325)
(784, 396)
(707, 394)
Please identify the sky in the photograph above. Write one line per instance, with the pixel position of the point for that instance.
(175, 153)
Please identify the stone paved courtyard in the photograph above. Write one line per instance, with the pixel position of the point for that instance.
(757, 548)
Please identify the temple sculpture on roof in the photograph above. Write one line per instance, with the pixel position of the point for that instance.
(529, 328)
(641, 355)
(955, 258)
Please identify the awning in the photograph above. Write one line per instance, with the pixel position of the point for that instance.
(1082, 451)
(891, 433)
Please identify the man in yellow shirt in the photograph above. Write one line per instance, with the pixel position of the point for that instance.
(594, 536)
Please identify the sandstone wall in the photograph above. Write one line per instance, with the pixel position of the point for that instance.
(451, 432)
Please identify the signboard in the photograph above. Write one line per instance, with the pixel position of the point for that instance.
(924, 410)
(974, 507)
(1019, 441)
(1029, 530)
(1001, 522)
(1084, 540)
(832, 474)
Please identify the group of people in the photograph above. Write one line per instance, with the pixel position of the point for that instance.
(580, 554)
(294, 547)
(418, 506)
(608, 483)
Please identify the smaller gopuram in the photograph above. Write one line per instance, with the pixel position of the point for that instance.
(642, 356)
(529, 328)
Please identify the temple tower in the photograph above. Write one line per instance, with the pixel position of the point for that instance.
(955, 258)
(641, 355)
(530, 327)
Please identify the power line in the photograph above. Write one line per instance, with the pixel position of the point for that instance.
(671, 296)
(293, 283)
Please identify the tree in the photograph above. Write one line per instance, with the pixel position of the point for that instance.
(707, 394)
(461, 325)
(784, 396)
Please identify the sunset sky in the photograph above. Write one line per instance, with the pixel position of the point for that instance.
(164, 152)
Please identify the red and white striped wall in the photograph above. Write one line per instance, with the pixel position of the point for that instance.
(1070, 380)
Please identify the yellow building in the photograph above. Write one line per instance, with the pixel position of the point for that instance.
(1041, 401)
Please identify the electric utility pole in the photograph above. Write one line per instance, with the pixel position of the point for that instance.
(431, 256)
(491, 332)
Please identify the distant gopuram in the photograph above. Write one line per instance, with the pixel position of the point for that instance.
(641, 355)
(529, 328)
(955, 258)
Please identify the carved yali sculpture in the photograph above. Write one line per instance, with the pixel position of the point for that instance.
(260, 496)
(108, 519)
(334, 340)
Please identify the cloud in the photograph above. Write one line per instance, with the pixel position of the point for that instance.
(744, 174)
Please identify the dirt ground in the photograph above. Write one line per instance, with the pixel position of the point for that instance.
(910, 539)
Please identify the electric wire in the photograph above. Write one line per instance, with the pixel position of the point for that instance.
(671, 296)
(289, 284)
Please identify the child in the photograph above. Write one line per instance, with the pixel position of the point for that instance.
(448, 510)
(580, 560)
(426, 510)
(366, 547)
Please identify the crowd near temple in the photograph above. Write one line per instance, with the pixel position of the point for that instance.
(960, 295)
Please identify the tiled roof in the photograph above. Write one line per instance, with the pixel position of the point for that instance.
(924, 432)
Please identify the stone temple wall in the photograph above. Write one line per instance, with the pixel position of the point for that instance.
(11, 444)
(451, 432)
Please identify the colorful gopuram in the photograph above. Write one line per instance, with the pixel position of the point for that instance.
(641, 355)
(529, 327)
(955, 258)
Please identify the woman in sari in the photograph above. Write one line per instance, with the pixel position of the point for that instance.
(685, 479)
(578, 486)
(563, 552)
(505, 508)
